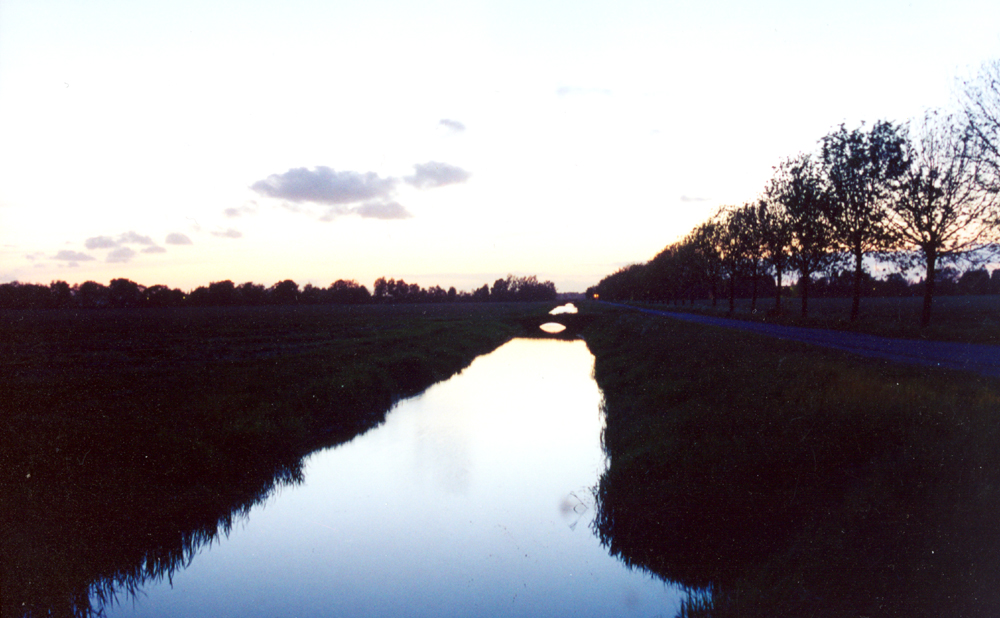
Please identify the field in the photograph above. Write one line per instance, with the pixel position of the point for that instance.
(131, 436)
(792, 480)
(969, 319)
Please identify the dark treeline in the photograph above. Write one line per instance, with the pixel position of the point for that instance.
(642, 283)
(923, 194)
(125, 294)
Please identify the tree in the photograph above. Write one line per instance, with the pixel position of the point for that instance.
(981, 101)
(801, 190)
(939, 207)
(222, 293)
(350, 292)
(705, 262)
(775, 234)
(251, 293)
(752, 232)
(162, 296)
(125, 293)
(860, 167)
(283, 293)
(62, 294)
(481, 294)
(738, 245)
(501, 288)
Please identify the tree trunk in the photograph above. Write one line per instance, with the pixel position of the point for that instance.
(925, 316)
(777, 294)
(804, 282)
(753, 301)
(858, 271)
(732, 293)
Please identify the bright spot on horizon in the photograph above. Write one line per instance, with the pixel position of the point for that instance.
(441, 143)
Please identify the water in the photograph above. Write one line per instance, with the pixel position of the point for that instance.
(472, 499)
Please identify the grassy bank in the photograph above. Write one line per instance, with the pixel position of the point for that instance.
(130, 436)
(797, 481)
(969, 319)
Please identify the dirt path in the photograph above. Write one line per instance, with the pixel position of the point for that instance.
(977, 358)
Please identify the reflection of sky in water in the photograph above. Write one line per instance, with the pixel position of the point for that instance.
(552, 327)
(473, 499)
(567, 308)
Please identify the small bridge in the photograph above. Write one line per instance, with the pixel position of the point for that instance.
(574, 324)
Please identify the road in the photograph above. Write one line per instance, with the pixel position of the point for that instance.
(977, 358)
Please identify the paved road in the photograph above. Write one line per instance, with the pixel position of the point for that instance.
(977, 358)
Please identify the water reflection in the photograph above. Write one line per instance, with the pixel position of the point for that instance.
(567, 308)
(778, 530)
(552, 327)
(472, 499)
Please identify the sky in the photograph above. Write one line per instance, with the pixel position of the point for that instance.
(444, 143)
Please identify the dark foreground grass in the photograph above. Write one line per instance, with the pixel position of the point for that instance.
(131, 438)
(968, 319)
(797, 481)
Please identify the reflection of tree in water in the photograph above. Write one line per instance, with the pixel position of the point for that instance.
(132, 438)
(849, 538)
(103, 543)
(826, 505)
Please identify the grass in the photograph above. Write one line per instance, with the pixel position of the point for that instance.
(132, 437)
(969, 319)
(793, 480)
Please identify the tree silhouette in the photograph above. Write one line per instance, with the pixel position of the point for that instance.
(706, 265)
(939, 205)
(283, 293)
(776, 234)
(981, 98)
(860, 167)
(799, 187)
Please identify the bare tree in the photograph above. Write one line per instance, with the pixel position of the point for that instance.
(860, 167)
(940, 206)
(981, 102)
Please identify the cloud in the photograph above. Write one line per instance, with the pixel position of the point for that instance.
(229, 233)
(154, 249)
(248, 208)
(454, 125)
(689, 200)
(131, 238)
(435, 174)
(73, 256)
(100, 242)
(324, 185)
(120, 255)
(107, 242)
(176, 238)
(382, 210)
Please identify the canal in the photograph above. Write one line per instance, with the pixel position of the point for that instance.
(474, 498)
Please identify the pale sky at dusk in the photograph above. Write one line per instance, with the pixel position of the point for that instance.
(445, 143)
